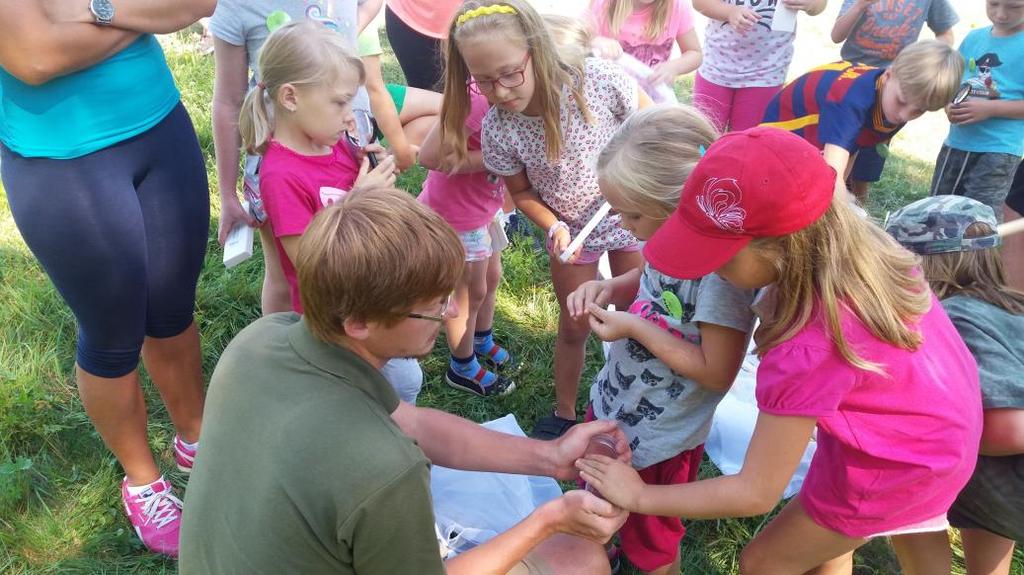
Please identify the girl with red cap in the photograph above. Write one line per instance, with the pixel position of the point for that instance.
(854, 347)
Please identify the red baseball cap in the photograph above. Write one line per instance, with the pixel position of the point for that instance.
(761, 182)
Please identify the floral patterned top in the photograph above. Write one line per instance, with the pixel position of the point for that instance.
(514, 142)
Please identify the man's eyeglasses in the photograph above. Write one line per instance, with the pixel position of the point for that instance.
(439, 317)
(513, 79)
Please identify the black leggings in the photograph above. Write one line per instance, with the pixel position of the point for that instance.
(121, 233)
(418, 55)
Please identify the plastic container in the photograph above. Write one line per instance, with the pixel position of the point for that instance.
(600, 444)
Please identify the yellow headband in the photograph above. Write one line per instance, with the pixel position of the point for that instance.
(485, 11)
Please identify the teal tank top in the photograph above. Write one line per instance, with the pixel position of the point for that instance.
(91, 109)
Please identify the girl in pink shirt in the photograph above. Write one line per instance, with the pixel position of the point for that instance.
(469, 197)
(854, 348)
(646, 30)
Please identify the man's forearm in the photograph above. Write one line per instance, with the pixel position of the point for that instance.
(500, 554)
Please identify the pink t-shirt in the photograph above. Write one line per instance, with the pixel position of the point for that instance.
(892, 450)
(466, 201)
(295, 187)
(513, 143)
(633, 32)
(428, 18)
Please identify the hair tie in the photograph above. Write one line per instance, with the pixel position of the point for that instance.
(702, 150)
(485, 11)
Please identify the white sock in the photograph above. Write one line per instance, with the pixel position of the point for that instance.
(134, 490)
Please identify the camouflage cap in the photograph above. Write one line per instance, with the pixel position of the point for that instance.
(937, 224)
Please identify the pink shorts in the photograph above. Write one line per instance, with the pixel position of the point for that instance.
(651, 541)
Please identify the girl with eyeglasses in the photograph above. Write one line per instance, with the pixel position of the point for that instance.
(470, 198)
(549, 122)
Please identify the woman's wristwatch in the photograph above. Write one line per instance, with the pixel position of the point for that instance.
(102, 11)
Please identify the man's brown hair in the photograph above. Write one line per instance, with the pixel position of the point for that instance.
(374, 256)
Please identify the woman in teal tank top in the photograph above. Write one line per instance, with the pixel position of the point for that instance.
(107, 185)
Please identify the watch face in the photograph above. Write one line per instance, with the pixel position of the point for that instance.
(103, 10)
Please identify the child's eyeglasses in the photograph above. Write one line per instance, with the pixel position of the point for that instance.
(439, 317)
(513, 79)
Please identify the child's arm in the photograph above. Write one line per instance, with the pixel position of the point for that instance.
(529, 203)
(366, 12)
(386, 115)
(291, 247)
(946, 36)
(1003, 432)
(848, 19)
(839, 158)
(601, 292)
(774, 454)
(977, 110)
(713, 364)
(689, 59)
(431, 157)
(741, 18)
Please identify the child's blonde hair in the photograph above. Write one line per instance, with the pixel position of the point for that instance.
(572, 38)
(618, 11)
(521, 25)
(844, 261)
(929, 72)
(298, 53)
(975, 273)
(652, 154)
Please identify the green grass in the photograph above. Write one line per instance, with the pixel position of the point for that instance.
(59, 505)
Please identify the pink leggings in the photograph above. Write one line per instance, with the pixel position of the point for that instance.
(732, 108)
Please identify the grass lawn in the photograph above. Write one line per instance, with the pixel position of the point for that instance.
(59, 505)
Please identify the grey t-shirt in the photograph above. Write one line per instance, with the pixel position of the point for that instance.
(890, 26)
(661, 412)
(994, 497)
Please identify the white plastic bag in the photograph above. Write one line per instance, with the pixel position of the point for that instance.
(471, 507)
(733, 426)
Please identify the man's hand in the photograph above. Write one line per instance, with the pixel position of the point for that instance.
(584, 515)
(970, 111)
(597, 292)
(618, 482)
(572, 445)
(611, 325)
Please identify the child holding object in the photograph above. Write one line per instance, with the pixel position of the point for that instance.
(647, 30)
(677, 349)
(309, 75)
(959, 248)
(469, 197)
(549, 121)
(745, 59)
(852, 342)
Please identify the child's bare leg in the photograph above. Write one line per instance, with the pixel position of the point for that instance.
(842, 565)
(419, 113)
(571, 342)
(793, 543)
(469, 294)
(275, 296)
(986, 553)
(860, 191)
(923, 553)
(485, 317)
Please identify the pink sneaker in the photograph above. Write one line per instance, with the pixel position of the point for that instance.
(184, 457)
(156, 516)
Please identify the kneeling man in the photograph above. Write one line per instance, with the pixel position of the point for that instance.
(311, 464)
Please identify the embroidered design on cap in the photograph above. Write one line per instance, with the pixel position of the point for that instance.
(720, 202)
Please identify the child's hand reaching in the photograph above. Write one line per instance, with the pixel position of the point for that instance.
(969, 111)
(597, 292)
(607, 48)
(743, 19)
(560, 239)
(611, 325)
(383, 176)
(618, 482)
